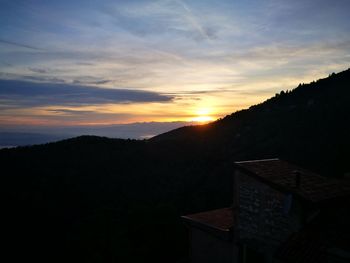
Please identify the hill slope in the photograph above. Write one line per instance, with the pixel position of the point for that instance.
(308, 125)
(96, 199)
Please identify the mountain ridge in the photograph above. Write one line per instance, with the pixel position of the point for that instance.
(97, 199)
(315, 114)
(21, 136)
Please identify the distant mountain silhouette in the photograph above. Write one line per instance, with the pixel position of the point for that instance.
(30, 135)
(95, 199)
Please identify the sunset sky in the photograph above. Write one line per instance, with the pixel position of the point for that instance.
(109, 62)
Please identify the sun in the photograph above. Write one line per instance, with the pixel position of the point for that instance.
(203, 116)
(203, 119)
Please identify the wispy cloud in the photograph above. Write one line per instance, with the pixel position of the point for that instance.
(193, 54)
(194, 22)
(70, 112)
(12, 43)
(38, 70)
(96, 82)
(29, 94)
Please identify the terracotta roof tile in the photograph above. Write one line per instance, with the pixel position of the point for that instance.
(221, 219)
(313, 187)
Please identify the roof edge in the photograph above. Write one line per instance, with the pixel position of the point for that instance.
(258, 160)
(198, 222)
(225, 234)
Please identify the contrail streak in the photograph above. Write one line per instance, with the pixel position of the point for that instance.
(19, 45)
(194, 21)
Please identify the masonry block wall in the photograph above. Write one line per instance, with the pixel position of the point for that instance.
(265, 214)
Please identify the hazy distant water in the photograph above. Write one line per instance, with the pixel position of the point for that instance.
(12, 137)
(6, 146)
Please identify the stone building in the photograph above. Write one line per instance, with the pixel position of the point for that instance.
(280, 213)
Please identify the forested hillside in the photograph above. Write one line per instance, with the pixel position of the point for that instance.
(308, 125)
(94, 199)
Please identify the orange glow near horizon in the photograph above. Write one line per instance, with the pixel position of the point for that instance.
(203, 116)
(203, 119)
(186, 109)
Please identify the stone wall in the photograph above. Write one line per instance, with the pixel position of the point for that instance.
(265, 214)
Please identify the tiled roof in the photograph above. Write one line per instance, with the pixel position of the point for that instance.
(219, 219)
(281, 174)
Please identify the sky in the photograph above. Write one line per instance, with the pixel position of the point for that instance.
(71, 63)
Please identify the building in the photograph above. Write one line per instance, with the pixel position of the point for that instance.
(280, 213)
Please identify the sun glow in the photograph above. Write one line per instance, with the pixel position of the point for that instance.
(203, 116)
(203, 119)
